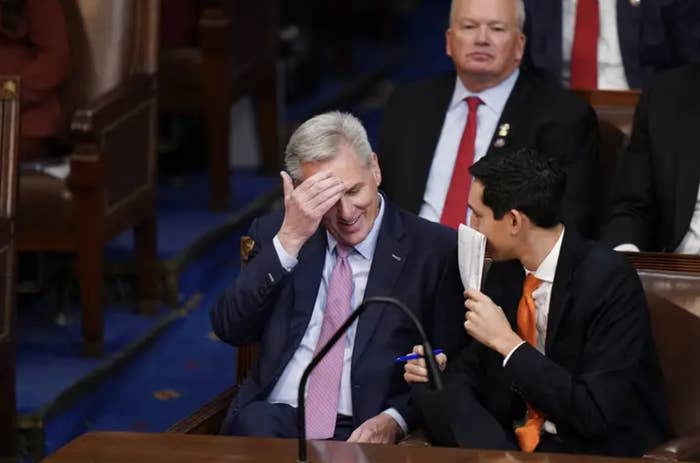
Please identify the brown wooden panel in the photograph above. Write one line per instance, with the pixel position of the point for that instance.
(140, 447)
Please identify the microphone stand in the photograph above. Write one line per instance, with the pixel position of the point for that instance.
(433, 371)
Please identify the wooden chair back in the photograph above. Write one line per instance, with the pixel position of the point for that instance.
(110, 188)
(672, 288)
(9, 138)
(235, 56)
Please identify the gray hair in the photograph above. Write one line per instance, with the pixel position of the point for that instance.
(519, 13)
(320, 138)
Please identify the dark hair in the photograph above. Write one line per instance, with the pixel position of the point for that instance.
(12, 12)
(524, 180)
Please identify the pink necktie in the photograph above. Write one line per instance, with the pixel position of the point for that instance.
(324, 383)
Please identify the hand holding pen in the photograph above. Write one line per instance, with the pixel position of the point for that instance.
(415, 370)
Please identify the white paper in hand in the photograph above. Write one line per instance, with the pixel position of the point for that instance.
(471, 250)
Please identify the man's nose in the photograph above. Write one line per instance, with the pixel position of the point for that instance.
(482, 34)
(345, 208)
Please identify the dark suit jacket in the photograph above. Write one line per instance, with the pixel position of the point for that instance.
(655, 35)
(600, 381)
(656, 190)
(415, 261)
(540, 115)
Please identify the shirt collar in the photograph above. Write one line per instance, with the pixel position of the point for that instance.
(548, 267)
(494, 97)
(365, 247)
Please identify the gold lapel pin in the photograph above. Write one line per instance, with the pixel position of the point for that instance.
(247, 245)
(503, 130)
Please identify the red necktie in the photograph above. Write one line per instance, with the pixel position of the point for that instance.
(528, 434)
(584, 53)
(454, 211)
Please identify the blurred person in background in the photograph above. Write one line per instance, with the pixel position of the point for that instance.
(34, 46)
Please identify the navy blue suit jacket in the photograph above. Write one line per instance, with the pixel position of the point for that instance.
(600, 381)
(414, 261)
(656, 188)
(654, 35)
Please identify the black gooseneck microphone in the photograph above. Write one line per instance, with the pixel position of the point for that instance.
(433, 371)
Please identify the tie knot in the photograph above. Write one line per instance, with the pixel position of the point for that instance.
(473, 102)
(531, 284)
(342, 251)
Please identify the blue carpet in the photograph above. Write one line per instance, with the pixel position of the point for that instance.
(183, 368)
(67, 392)
(183, 215)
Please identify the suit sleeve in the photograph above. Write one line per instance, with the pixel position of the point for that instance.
(573, 140)
(239, 315)
(585, 402)
(633, 209)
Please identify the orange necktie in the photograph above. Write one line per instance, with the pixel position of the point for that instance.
(528, 434)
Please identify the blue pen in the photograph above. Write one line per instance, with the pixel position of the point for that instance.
(406, 358)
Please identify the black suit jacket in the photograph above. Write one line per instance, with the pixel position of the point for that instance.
(540, 115)
(414, 261)
(653, 35)
(657, 187)
(599, 383)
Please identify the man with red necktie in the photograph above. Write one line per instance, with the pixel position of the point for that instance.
(432, 131)
(565, 361)
(610, 44)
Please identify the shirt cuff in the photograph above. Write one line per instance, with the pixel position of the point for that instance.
(626, 247)
(505, 360)
(288, 262)
(392, 412)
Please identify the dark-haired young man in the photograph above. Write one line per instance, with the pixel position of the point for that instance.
(564, 361)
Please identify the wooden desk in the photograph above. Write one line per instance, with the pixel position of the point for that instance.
(105, 447)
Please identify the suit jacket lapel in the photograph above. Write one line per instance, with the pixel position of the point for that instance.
(687, 121)
(310, 263)
(389, 256)
(512, 113)
(433, 116)
(560, 297)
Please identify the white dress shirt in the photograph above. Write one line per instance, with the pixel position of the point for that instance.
(611, 69)
(542, 297)
(690, 244)
(360, 261)
(487, 117)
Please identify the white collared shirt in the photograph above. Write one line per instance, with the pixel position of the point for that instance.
(542, 297)
(611, 69)
(360, 261)
(487, 117)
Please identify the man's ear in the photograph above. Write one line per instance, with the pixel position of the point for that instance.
(376, 171)
(516, 220)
